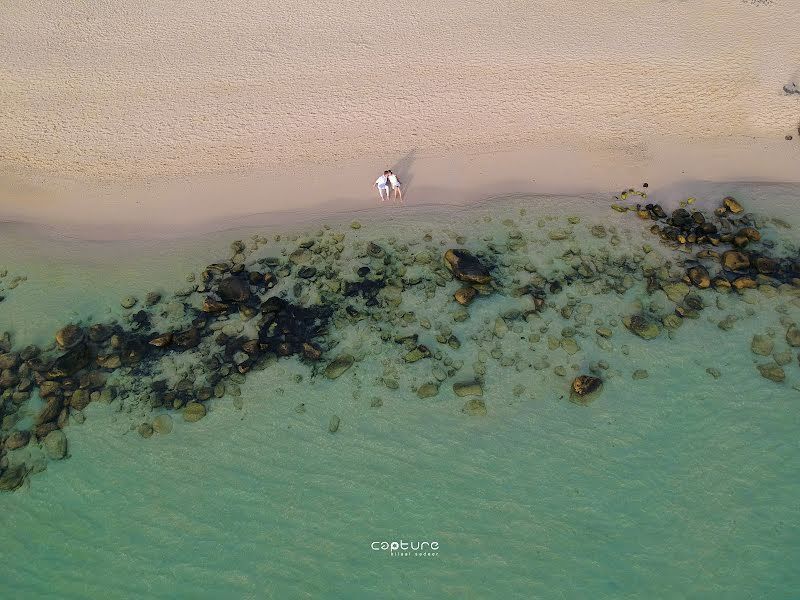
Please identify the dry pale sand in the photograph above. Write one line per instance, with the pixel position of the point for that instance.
(179, 114)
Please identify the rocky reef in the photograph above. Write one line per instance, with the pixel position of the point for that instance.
(178, 354)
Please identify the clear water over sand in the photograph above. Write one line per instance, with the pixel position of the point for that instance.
(678, 485)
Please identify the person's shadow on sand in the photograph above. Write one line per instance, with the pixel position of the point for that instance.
(403, 170)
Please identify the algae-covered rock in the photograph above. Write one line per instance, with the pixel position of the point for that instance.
(761, 345)
(642, 327)
(339, 365)
(474, 407)
(194, 411)
(470, 388)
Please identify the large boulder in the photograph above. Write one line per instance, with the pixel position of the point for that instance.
(466, 267)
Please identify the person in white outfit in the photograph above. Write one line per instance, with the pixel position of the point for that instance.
(382, 183)
(398, 195)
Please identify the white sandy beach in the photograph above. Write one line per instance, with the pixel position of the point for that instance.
(174, 117)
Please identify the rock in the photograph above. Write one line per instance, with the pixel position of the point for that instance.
(145, 430)
(766, 265)
(12, 478)
(558, 234)
(772, 371)
(339, 365)
(569, 345)
(466, 267)
(152, 299)
(416, 354)
(162, 424)
(640, 326)
(375, 251)
(471, 388)
(675, 291)
(783, 358)
(745, 283)
(793, 336)
(640, 374)
(70, 362)
(17, 439)
(699, 277)
(212, 306)
(733, 260)
(161, 341)
(194, 411)
(80, 399)
(376, 403)
(50, 410)
(585, 389)
(500, 327)
(465, 295)
(234, 289)
(187, 339)
(128, 302)
(761, 345)
(715, 373)
(428, 390)
(791, 88)
(474, 407)
(55, 445)
(732, 205)
(333, 426)
(355, 225)
(604, 332)
(69, 337)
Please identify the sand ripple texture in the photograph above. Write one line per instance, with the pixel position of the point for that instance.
(109, 91)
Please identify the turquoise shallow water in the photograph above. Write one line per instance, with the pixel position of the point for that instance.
(675, 486)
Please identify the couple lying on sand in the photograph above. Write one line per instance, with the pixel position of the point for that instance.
(384, 181)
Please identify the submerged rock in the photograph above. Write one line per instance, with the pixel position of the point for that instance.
(474, 407)
(194, 411)
(69, 337)
(55, 445)
(234, 289)
(333, 426)
(427, 390)
(162, 424)
(793, 336)
(761, 345)
(465, 295)
(733, 260)
(466, 267)
(642, 327)
(339, 365)
(470, 388)
(772, 371)
(17, 439)
(12, 478)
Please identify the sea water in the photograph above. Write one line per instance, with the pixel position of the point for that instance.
(680, 485)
